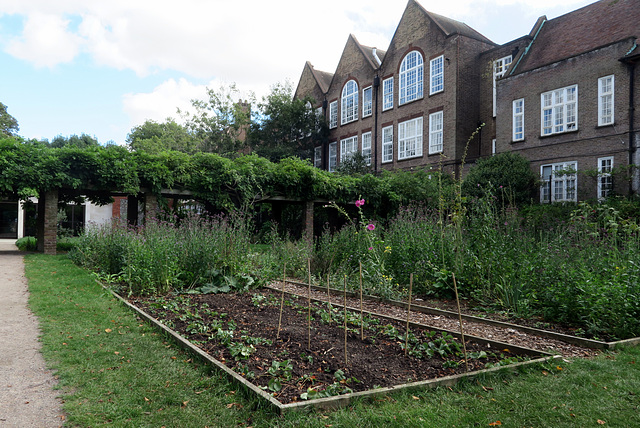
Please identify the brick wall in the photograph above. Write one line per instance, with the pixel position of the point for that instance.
(590, 141)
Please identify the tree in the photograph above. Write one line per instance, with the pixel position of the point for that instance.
(354, 164)
(82, 141)
(220, 123)
(8, 124)
(284, 126)
(154, 137)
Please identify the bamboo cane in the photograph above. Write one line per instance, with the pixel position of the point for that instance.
(406, 338)
(309, 305)
(346, 360)
(464, 346)
(284, 276)
(361, 316)
(329, 298)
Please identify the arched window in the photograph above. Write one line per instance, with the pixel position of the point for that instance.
(411, 77)
(349, 109)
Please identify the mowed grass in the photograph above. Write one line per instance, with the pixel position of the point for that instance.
(115, 370)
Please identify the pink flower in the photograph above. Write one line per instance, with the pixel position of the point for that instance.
(371, 226)
(370, 248)
(359, 203)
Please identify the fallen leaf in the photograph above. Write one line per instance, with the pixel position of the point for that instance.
(496, 423)
(108, 330)
(601, 422)
(116, 352)
(558, 367)
(184, 403)
(146, 399)
(415, 398)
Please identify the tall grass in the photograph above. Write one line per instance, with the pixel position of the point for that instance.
(169, 254)
(583, 271)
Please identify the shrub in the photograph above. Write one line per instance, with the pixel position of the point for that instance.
(28, 243)
(507, 175)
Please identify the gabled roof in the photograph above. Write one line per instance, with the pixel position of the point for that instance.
(322, 78)
(451, 27)
(593, 26)
(368, 52)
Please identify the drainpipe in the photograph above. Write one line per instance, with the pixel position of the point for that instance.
(632, 148)
(376, 87)
(631, 60)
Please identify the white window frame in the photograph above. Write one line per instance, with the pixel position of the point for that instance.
(317, 157)
(605, 179)
(348, 147)
(387, 144)
(349, 102)
(410, 138)
(500, 67)
(518, 120)
(559, 111)
(564, 186)
(333, 156)
(493, 147)
(606, 91)
(387, 94)
(436, 73)
(333, 114)
(436, 127)
(367, 101)
(410, 84)
(366, 147)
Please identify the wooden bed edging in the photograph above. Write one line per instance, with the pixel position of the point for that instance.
(574, 340)
(328, 402)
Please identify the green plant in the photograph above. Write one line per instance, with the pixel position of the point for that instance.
(28, 243)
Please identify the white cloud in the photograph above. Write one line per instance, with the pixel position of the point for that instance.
(162, 102)
(46, 41)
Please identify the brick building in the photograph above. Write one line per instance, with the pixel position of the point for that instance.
(418, 102)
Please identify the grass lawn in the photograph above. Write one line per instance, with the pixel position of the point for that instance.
(115, 370)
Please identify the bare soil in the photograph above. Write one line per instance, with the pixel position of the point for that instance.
(478, 329)
(377, 361)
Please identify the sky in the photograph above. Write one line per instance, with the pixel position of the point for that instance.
(97, 67)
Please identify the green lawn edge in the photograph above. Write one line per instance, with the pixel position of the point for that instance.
(116, 370)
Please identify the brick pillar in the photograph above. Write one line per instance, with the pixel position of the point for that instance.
(308, 220)
(150, 206)
(50, 221)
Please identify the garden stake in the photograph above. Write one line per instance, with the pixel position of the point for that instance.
(464, 347)
(284, 276)
(309, 305)
(329, 298)
(406, 337)
(361, 317)
(345, 321)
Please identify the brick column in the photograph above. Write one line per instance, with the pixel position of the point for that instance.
(308, 220)
(150, 206)
(50, 221)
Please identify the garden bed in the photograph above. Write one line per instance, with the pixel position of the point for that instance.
(240, 332)
(442, 314)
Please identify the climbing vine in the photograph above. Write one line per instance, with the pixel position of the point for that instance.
(29, 168)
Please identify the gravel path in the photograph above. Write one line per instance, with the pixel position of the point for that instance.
(27, 398)
(500, 334)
